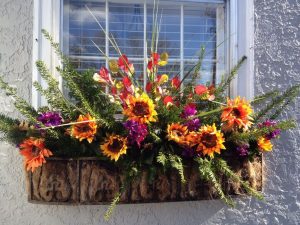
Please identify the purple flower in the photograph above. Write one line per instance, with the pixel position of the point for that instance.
(193, 125)
(270, 123)
(137, 132)
(189, 110)
(243, 150)
(50, 119)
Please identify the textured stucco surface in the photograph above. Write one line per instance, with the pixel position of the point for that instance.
(277, 53)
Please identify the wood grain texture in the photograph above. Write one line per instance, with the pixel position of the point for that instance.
(88, 181)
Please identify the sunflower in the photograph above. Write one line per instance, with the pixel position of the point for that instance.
(210, 140)
(236, 114)
(34, 152)
(264, 144)
(114, 147)
(177, 132)
(140, 109)
(84, 130)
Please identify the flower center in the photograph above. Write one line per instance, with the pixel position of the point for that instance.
(236, 112)
(140, 109)
(84, 128)
(209, 140)
(115, 146)
(35, 151)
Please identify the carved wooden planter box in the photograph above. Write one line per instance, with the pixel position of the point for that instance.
(88, 181)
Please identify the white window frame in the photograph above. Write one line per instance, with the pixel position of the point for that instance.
(239, 42)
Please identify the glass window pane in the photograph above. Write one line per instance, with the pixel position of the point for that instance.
(80, 28)
(169, 33)
(126, 24)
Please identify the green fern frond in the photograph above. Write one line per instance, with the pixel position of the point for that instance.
(112, 207)
(222, 167)
(162, 158)
(176, 163)
(208, 174)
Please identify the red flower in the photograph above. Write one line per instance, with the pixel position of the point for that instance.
(127, 83)
(149, 86)
(153, 60)
(103, 76)
(125, 65)
(201, 89)
(168, 101)
(175, 82)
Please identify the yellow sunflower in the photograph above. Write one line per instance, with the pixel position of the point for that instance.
(264, 144)
(114, 147)
(84, 130)
(237, 114)
(177, 132)
(140, 109)
(210, 140)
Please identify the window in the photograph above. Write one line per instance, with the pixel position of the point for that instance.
(184, 28)
(186, 25)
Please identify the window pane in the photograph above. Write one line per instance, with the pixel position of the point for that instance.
(126, 24)
(169, 33)
(81, 30)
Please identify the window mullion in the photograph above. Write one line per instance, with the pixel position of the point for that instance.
(145, 44)
(181, 41)
(106, 37)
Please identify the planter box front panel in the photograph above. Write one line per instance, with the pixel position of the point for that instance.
(88, 181)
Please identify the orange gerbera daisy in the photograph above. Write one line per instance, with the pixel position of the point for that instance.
(114, 146)
(236, 114)
(34, 152)
(140, 109)
(177, 132)
(264, 144)
(84, 130)
(210, 140)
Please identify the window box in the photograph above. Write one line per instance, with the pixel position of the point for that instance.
(87, 181)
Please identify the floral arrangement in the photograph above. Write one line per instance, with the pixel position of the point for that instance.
(166, 125)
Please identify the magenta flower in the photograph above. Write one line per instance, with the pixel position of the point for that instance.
(188, 111)
(243, 150)
(137, 132)
(270, 123)
(50, 119)
(193, 125)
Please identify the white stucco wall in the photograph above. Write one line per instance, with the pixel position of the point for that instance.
(277, 53)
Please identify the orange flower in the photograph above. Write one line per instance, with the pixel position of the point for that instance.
(177, 132)
(34, 152)
(264, 144)
(84, 130)
(210, 140)
(236, 114)
(114, 147)
(140, 109)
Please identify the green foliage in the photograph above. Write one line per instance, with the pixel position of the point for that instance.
(112, 207)
(277, 104)
(69, 74)
(176, 163)
(223, 168)
(254, 134)
(208, 174)
(260, 98)
(225, 82)
(169, 160)
(20, 104)
(53, 94)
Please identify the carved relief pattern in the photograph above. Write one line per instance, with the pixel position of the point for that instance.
(88, 181)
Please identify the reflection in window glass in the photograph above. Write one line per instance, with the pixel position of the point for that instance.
(184, 29)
